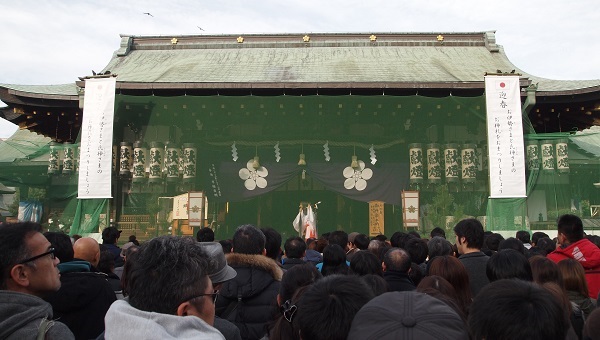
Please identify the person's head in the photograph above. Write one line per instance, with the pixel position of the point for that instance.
(361, 241)
(570, 229)
(248, 239)
(27, 263)
(508, 264)
(396, 238)
(469, 235)
(595, 239)
(326, 309)
(546, 244)
(515, 309)
(227, 245)
(407, 315)
(591, 329)
(536, 236)
(106, 264)
(340, 238)
(437, 287)
(417, 249)
(573, 276)
(439, 246)
(294, 247)
(545, 270)
(364, 262)
(512, 243)
(523, 236)
(375, 247)
(133, 239)
(110, 235)
(321, 244)
(169, 275)
(205, 235)
(132, 249)
(396, 259)
(437, 232)
(334, 260)
(351, 237)
(87, 249)
(452, 270)
(61, 242)
(492, 242)
(272, 242)
(376, 282)
(298, 276)
(311, 243)
(218, 270)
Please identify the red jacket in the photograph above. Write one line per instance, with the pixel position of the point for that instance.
(588, 254)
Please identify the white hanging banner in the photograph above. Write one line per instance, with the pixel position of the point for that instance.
(180, 207)
(197, 209)
(506, 148)
(96, 138)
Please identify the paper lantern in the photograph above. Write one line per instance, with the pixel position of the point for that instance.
(54, 160)
(155, 162)
(68, 161)
(451, 162)
(548, 163)
(140, 158)
(469, 163)
(189, 162)
(172, 162)
(125, 159)
(415, 152)
(434, 163)
(533, 155)
(562, 156)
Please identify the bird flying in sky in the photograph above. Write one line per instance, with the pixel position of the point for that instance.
(149, 14)
(200, 28)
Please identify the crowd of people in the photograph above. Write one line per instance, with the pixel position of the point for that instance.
(477, 285)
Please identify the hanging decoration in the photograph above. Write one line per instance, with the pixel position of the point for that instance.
(254, 176)
(302, 158)
(547, 155)
(126, 159)
(140, 155)
(357, 177)
(373, 155)
(326, 151)
(189, 162)
(234, 154)
(469, 165)
(53, 161)
(451, 161)
(434, 163)
(172, 162)
(533, 155)
(562, 156)
(156, 162)
(69, 159)
(415, 151)
(277, 152)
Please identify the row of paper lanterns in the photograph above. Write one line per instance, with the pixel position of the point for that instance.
(455, 162)
(134, 160)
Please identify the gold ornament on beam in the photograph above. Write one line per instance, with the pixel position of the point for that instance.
(174, 41)
(373, 37)
(256, 163)
(306, 38)
(240, 39)
(440, 38)
(354, 163)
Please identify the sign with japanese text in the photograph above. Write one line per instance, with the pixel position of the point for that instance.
(197, 208)
(96, 139)
(376, 225)
(180, 207)
(506, 148)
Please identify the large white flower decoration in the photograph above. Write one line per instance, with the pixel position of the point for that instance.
(357, 178)
(254, 177)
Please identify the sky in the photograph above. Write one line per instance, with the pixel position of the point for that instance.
(54, 42)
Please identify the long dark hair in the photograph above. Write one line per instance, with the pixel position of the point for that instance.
(334, 260)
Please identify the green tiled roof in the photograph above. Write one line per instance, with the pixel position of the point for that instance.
(443, 60)
(60, 89)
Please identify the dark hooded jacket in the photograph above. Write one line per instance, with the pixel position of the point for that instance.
(250, 299)
(22, 314)
(82, 300)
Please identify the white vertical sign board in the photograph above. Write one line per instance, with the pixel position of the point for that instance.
(95, 159)
(506, 148)
(196, 209)
(180, 207)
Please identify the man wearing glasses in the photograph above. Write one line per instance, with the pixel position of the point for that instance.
(170, 294)
(28, 271)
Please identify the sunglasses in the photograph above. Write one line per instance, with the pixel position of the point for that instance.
(213, 297)
(49, 252)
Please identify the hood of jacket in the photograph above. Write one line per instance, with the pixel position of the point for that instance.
(77, 290)
(20, 309)
(254, 274)
(584, 251)
(126, 322)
